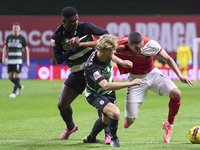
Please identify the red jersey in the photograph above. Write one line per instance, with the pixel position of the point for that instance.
(142, 63)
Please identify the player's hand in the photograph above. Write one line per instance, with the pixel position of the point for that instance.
(4, 61)
(74, 43)
(136, 81)
(27, 63)
(186, 80)
(127, 64)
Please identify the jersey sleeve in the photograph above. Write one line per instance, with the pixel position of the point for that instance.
(151, 48)
(58, 52)
(94, 74)
(95, 30)
(24, 44)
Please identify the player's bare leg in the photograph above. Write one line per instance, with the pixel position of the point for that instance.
(128, 122)
(67, 95)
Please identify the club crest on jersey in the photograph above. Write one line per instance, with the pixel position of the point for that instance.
(65, 44)
(96, 75)
(101, 102)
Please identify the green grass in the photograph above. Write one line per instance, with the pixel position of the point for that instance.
(32, 120)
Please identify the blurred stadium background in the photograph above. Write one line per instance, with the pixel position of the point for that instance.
(168, 22)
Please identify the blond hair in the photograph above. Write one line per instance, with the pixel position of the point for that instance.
(107, 41)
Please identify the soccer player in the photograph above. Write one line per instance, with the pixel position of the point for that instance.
(13, 46)
(184, 57)
(100, 88)
(140, 50)
(66, 49)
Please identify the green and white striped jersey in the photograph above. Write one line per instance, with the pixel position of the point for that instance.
(96, 71)
(15, 45)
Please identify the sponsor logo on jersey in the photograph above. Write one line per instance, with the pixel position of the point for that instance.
(96, 75)
(53, 43)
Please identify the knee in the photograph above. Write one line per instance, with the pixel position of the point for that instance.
(59, 105)
(62, 105)
(10, 77)
(175, 93)
(116, 114)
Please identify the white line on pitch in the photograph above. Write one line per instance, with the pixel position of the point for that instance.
(68, 141)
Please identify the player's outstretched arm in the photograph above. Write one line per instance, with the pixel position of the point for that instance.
(91, 44)
(164, 56)
(116, 86)
(124, 63)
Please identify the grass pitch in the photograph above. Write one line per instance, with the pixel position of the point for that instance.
(32, 120)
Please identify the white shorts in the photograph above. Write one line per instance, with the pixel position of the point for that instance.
(155, 81)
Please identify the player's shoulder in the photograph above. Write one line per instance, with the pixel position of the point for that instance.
(150, 42)
(9, 36)
(58, 32)
(90, 61)
(146, 39)
(21, 36)
(122, 40)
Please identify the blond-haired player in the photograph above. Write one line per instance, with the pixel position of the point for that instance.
(100, 90)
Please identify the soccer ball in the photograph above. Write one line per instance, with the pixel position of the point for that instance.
(194, 135)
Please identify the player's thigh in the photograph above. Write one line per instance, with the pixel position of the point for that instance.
(137, 93)
(17, 75)
(101, 101)
(162, 85)
(76, 82)
(132, 109)
(10, 75)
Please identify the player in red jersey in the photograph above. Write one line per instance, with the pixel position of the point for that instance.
(140, 50)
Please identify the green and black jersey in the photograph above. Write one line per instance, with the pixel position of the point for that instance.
(15, 45)
(96, 71)
(61, 48)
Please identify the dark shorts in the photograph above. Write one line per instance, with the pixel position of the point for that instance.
(76, 81)
(14, 68)
(101, 101)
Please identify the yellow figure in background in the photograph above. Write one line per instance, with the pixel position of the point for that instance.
(184, 57)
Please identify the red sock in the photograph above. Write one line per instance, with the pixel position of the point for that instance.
(174, 105)
(125, 125)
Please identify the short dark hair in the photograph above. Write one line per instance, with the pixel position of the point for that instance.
(134, 38)
(68, 12)
(16, 24)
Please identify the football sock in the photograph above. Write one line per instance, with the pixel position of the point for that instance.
(98, 127)
(174, 105)
(113, 128)
(106, 127)
(12, 80)
(17, 82)
(67, 117)
(15, 88)
(125, 125)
